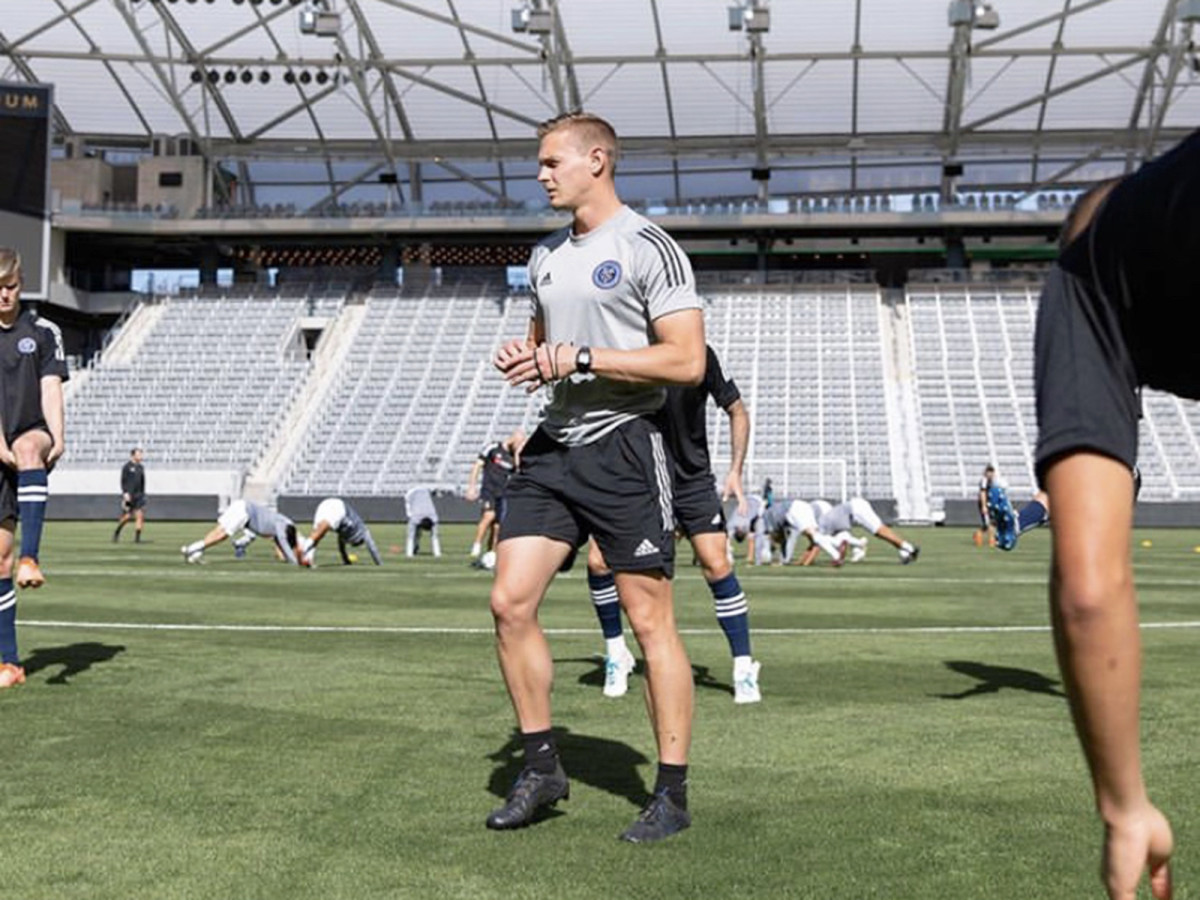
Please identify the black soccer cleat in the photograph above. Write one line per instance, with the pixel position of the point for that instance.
(532, 791)
(660, 819)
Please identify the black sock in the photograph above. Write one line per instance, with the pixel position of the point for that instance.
(673, 780)
(137, 536)
(540, 752)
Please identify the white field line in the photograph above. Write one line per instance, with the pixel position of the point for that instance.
(420, 629)
(800, 579)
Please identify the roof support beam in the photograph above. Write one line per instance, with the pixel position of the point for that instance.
(172, 95)
(1179, 50)
(1054, 92)
(358, 77)
(1146, 89)
(661, 52)
(390, 64)
(21, 63)
(306, 102)
(338, 190)
(761, 138)
(956, 88)
(479, 86)
(63, 15)
(1041, 120)
(914, 147)
(1060, 17)
(230, 120)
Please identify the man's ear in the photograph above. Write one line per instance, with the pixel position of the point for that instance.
(596, 161)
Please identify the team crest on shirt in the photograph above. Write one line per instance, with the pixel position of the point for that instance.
(607, 274)
(26, 345)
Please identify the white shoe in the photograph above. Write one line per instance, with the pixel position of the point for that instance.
(191, 556)
(616, 674)
(858, 554)
(745, 685)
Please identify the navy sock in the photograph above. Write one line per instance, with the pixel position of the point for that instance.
(673, 780)
(32, 492)
(733, 613)
(603, 589)
(541, 754)
(8, 623)
(1033, 515)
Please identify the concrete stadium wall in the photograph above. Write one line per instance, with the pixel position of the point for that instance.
(205, 507)
(1147, 515)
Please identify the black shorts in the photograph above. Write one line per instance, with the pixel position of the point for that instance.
(8, 493)
(135, 501)
(493, 504)
(698, 507)
(617, 490)
(1086, 383)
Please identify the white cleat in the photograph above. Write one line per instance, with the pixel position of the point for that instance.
(858, 554)
(616, 674)
(745, 684)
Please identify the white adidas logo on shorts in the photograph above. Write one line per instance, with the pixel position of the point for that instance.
(645, 548)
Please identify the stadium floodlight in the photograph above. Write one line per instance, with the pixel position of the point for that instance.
(529, 20)
(751, 16)
(975, 14)
(322, 23)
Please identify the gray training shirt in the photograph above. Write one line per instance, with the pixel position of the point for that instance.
(268, 522)
(605, 289)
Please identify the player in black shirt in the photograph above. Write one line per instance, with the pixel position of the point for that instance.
(496, 463)
(1113, 317)
(699, 514)
(32, 370)
(133, 496)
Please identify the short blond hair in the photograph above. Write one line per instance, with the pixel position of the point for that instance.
(10, 263)
(589, 129)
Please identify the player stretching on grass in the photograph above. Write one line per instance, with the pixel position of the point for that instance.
(614, 317)
(1112, 319)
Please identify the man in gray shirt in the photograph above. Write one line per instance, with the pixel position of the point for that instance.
(422, 516)
(251, 520)
(614, 318)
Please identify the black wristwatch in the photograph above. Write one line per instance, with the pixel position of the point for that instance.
(583, 360)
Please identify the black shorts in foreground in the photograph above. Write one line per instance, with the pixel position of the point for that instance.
(698, 507)
(136, 501)
(8, 493)
(1085, 381)
(616, 489)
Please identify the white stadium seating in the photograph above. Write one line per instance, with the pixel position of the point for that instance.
(215, 378)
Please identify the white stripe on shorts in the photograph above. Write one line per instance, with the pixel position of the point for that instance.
(665, 501)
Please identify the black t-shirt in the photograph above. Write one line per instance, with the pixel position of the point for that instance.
(1141, 255)
(498, 464)
(133, 479)
(31, 349)
(685, 414)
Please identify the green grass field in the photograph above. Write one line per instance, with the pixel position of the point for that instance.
(249, 730)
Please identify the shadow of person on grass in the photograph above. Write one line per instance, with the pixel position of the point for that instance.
(702, 676)
(74, 659)
(599, 762)
(993, 679)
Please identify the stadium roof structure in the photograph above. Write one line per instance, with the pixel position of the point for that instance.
(432, 99)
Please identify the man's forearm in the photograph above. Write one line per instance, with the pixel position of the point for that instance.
(739, 436)
(52, 410)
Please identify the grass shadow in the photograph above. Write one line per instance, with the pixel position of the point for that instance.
(74, 659)
(702, 676)
(993, 679)
(607, 765)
